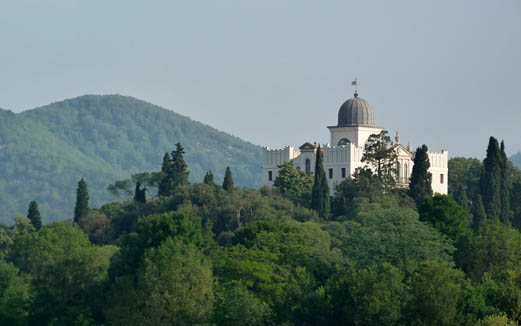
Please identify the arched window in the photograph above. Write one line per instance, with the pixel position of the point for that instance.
(343, 142)
(406, 171)
(308, 166)
(398, 176)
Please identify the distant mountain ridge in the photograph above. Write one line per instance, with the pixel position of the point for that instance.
(45, 151)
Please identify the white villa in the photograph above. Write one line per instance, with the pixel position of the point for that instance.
(342, 157)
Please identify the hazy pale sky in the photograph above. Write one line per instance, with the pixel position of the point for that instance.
(443, 73)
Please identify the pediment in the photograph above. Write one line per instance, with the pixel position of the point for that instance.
(307, 146)
(401, 150)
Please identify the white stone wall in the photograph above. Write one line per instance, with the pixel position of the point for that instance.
(357, 135)
(440, 171)
(350, 157)
(272, 158)
(336, 159)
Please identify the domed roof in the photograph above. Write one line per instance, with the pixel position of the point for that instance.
(355, 111)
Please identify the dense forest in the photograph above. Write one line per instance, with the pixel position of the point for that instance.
(45, 151)
(175, 251)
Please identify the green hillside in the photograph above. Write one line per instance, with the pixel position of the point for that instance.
(45, 151)
(516, 159)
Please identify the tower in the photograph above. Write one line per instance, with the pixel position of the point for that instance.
(355, 123)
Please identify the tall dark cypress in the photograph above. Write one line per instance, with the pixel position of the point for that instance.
(33, 214)
(420, 185)
(228, 180)
(320, 200)
(461, 198)
(81, 210)
(208, 178)
(165, 184)
(179, 166)
(478, 211)
(490, 182)
(504, 191)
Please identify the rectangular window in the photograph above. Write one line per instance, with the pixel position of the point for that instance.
(330, 173)
(343, 173)
(441, 178)
(270, 175)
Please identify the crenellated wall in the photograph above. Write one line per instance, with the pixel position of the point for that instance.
(439, 169)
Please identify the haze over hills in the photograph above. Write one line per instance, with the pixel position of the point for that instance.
(45, 151)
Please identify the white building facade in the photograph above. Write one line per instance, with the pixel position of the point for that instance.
(343, 156)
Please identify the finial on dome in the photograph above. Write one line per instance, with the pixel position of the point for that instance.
(356, 94)
(355, 84)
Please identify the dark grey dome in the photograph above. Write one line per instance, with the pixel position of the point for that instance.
(355, 111)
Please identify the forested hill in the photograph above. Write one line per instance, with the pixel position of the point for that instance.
(516, 159)
(45, 151)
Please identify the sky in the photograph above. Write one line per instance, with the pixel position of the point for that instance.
(275, 73)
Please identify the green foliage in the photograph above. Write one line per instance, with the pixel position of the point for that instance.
(369, 296)
(66, 271)
(97, 226)
(421, 178)
(495, 248)
(445, 215)
(497, 320)
(294, 184)
(150, 232)
(437, 295)
(303, 301)
(15, 296)
(464, 172)
(166, 183)
(505, 185)
(292, 243)
(379, 154)
(384, 232)
(208, 178)
(320, 199)
(491, 180)
(363, 184)
(103, 139)
(82, 201)
(478, 211)
(174, 286)
(515, 201)
(235, 305)
(179, 167)
(228, 180)
(33, 214)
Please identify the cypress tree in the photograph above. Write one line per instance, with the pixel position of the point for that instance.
(478, 211)
(179, 167)
(506, 214)
(461, 198)
(165, 184)
(320, 200)
(33, 214)
(81, 209)
(208, 178)
(228, 180)
(490, 182)
(420, 185)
